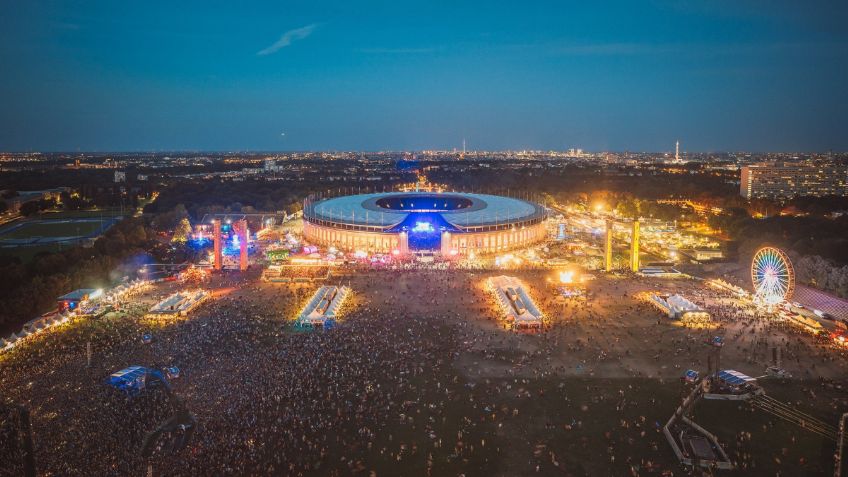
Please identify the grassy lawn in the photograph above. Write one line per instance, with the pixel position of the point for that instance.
(52, 225)
(59, 228)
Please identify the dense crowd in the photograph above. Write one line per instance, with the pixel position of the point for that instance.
(418, 378)
(12, 433)
(361, 398)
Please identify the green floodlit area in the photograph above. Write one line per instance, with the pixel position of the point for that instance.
(53, 228)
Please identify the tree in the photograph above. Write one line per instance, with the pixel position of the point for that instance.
(29, 208)
(182, 231)
(137, 235)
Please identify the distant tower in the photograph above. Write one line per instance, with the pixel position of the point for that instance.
(462, 156)
(677, 151)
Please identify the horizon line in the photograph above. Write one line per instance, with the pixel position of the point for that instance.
(405, 151)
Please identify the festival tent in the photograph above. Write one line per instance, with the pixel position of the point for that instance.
(130, 380)
(691, 375)
(735, 378)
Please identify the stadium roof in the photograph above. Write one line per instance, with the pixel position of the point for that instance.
(486, 209)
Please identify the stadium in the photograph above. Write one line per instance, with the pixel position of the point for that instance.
(450, 223)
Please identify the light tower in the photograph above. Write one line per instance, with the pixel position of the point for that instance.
(634, 247)
(216, 243)
(242, 234)
(677, 151)
(463, 149)
(608, 247)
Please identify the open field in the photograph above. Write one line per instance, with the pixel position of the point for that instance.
(39, 231)
(53, 229)
(418, 379)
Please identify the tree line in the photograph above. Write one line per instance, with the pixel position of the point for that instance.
(30, 289)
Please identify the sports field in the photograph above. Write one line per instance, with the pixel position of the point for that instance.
(53, 228)
(40, 231)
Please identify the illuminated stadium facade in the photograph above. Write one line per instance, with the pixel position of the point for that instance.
(401, 222)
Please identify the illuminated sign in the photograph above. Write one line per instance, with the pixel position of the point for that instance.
(423, 227)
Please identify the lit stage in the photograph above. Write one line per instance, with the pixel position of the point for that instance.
(323, 308)
(520, 313)
(179, 303)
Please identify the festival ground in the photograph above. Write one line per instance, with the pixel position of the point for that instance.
(419, 378)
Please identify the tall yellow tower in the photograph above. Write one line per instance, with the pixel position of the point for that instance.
(608, 247)
(634, 247)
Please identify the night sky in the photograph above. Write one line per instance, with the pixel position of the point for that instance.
(355, 75)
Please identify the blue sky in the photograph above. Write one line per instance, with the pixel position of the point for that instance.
(311, 75)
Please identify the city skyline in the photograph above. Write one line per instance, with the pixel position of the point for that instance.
(277, 77)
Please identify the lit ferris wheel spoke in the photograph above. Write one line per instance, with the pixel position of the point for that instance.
(772, 275)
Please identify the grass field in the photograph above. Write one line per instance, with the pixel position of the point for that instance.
(53, 231)
(54, 228)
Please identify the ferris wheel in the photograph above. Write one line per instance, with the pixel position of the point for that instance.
(773, 276)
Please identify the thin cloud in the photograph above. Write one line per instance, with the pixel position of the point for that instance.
(288, 38)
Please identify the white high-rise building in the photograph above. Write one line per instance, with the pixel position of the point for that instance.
(790, 179)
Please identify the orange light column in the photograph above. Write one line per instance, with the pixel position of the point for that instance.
(216, 243)
(242, 231)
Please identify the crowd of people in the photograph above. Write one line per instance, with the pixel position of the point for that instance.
(417, 378)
